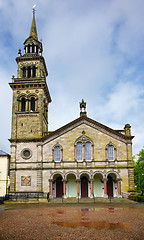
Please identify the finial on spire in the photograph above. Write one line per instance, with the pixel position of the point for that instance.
(33, 31)
(34, 9)
(83, 108)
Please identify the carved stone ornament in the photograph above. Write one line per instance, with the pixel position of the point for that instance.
(83, 139)
(25, 180)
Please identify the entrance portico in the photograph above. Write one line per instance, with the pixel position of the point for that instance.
(84, 185)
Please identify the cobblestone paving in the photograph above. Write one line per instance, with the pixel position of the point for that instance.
(72, 221)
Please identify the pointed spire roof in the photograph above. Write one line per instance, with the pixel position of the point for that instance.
(33, 31)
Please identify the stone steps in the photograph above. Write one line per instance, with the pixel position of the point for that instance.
(84, 200)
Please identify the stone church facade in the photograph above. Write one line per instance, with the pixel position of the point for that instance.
(82, 159)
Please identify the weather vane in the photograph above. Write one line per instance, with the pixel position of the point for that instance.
(34, 9)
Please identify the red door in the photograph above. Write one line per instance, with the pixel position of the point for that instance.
(110, 187)
(84, 187)
(59, 187)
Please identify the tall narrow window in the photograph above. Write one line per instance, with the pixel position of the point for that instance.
(79, 151)
(23, 105)
(24, 72)
(33, 48)
(88, 151)
(29, 72)
(110, 153)
(57, 154)
(33, 104)
(34, 71)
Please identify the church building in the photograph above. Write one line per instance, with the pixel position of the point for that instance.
(83, 159)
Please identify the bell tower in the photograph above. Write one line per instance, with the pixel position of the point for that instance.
(30, 91)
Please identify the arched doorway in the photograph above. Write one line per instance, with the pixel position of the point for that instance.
(59, 187)
(84, 187)
(98, 185)
(71, 186)
(110, 186)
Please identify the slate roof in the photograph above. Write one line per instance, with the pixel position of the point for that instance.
(2, 153)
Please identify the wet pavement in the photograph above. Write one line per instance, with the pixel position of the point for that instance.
(72, 221)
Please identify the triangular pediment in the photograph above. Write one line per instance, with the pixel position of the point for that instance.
(90, 122)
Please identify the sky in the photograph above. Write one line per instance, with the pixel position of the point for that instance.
(94, 50)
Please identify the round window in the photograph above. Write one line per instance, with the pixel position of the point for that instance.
(26, 153)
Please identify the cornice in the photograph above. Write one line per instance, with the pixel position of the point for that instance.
(30, 57)
(32, 84)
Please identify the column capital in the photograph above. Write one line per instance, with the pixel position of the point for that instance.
(91, 180)
(50, 180)
(64, 180)
(104, 179)
(119, 180)
(78, 180)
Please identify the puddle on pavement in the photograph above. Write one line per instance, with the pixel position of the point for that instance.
(84, 217)
(91, 224)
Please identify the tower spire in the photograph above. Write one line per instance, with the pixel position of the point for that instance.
(33, 31)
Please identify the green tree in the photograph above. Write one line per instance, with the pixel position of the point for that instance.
(139, 171)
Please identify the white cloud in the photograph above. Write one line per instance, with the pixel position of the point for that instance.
(93, 50)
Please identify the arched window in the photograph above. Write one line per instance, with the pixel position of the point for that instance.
(33, 104)
(23, 105)
(79, 152)
(110, 153)
(24, 72)
(84, 148)
(34, 71)
(29, 72)
(88, 151)
(57, 154)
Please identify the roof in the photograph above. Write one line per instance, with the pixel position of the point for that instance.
(85, 120)
(2, 153)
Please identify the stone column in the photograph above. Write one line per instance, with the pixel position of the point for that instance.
(91, 187)
(13, 186)
(26, 49)
(105, 188)
(27, 105)
(51, 188)
(64, 188)
(31, 71)
(119, 188)
(26, 72)
(39, 181)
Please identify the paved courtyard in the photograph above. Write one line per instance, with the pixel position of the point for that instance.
(72, 221)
